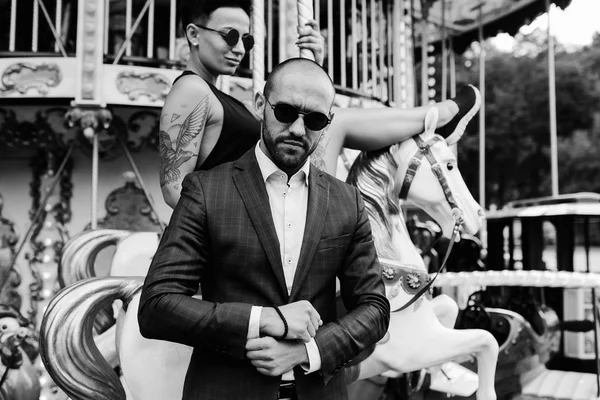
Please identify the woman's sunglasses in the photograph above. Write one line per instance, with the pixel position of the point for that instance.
(232, 37)
(288, 114)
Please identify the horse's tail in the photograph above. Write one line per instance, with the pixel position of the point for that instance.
(78, 262)
(67, 344)
(79, 254)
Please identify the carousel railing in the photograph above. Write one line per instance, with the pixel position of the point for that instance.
(362, 37)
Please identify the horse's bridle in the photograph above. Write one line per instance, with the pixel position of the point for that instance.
(424, 150)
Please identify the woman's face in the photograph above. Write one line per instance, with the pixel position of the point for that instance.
(213, 51)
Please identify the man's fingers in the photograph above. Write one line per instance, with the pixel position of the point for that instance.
(258, 356)
(266, 371)
(260, 363)
(258, 343)
(311, 331)
(315, 323)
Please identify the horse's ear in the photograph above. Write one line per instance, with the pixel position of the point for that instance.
(431, 120)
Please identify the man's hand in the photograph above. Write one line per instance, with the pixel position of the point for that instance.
(310, 38)
(302, 319)
(274, 358)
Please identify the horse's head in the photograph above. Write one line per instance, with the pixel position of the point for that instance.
(429, 177)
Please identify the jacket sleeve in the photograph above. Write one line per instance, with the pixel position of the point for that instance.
(167, 309)
(363, 294)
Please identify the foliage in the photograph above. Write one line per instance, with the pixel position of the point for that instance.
(517, 119)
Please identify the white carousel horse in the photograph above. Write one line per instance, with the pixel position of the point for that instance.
(420, 336)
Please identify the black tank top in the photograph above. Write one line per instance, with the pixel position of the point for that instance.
(240, 131)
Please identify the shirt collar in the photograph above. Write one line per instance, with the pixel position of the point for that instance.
(268, 167)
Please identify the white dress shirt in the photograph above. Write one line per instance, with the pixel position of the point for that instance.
(288, 199)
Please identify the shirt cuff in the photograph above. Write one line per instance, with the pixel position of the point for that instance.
(314, 357)
(254, 324)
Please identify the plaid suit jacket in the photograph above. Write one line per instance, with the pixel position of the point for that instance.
(221, 236)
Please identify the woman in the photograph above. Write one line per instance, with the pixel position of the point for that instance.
(202, 127)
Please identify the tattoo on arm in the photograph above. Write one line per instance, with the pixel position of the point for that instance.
(174, 154)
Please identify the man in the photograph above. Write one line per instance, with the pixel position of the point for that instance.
(266, 236)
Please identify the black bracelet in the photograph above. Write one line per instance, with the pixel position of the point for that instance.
(285, 325)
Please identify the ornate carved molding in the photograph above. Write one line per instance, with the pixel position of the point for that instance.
(49, 233)
(22, 77)
(89, 120)
(55, 128)
(154, 86)
(98, 121)
(127, 208)
(9, 277)
(46, 131)
(142, 130)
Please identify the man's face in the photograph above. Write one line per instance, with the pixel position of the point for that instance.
(290, 143)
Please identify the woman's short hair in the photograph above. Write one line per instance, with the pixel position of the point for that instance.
(198, 11)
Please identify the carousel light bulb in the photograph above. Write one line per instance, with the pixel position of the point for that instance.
(48, 242)
(47, 258)
(88, 132)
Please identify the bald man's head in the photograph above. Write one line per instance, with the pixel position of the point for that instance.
(301, 70)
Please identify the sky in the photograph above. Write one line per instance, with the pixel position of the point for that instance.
(573, 26)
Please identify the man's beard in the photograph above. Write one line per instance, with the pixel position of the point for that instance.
(283, 159)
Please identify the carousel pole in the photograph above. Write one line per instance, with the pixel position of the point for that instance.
(483, 236)
(444, 53)
(305, 12)
(258, 51)
(452, 62)
(94, 191)
(424, 58)
(481, 112)
(552, 98)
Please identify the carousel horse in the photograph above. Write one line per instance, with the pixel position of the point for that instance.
(18, 347)
(422, 170)
(421, 335)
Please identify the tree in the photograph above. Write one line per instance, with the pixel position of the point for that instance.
(517, 120)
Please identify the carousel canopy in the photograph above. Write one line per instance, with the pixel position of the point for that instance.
(462, 18)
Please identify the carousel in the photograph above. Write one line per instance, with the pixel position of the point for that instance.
(81, 212)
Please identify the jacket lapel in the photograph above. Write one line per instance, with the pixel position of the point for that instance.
(250, 185)
(318, 200)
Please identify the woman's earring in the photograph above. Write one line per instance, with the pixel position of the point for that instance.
(195, 44)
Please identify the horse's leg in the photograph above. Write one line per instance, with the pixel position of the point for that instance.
(418, 340)
(445, 309)
(454, 343)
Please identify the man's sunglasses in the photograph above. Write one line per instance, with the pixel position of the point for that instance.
(232, 37)
(288, 114)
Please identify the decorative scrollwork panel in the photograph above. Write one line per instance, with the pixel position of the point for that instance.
(23, 77)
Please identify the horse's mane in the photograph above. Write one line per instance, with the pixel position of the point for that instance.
(372, 173)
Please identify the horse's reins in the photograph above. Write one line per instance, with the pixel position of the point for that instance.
(424, 150)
